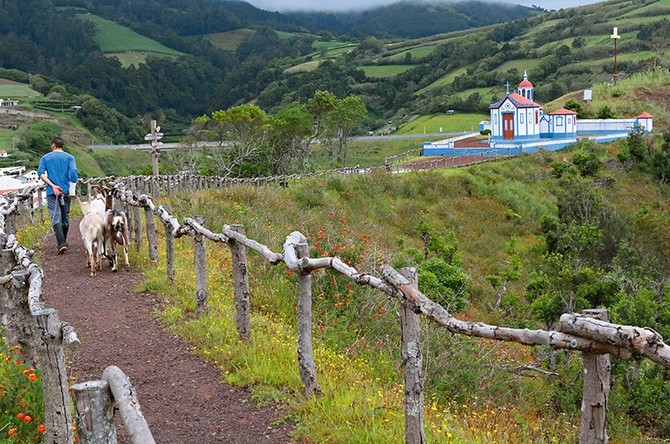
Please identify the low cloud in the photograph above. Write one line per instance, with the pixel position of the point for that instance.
(348, 5)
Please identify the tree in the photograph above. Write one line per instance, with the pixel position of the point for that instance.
(240, 133)
(341, 122)
(36, 139)
(320, 106)
(291, 137)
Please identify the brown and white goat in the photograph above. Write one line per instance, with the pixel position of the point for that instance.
(116, 233)
(92, 228)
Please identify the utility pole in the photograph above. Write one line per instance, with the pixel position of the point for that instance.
(616, 37)
(154, 136)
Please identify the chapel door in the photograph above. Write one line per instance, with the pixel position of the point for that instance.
(508, 126)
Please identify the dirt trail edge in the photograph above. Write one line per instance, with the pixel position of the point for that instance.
(182, 398)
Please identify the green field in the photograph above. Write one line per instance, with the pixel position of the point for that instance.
(418, 52)
(380, 71)
(444, 80)
(332, 48)
(330, 44)
(229, 41)
(6, 139)
(303, 67)
(113, 38)
(13, 90)
(430, 124)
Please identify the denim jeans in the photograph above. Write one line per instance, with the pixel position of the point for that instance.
(59, 209)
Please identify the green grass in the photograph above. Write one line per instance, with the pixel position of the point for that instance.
(330, 44)
(6, 139)
(487, 94)
(330, 49)
(14, 90)
(114, 38)
(457, 122)
(358, 362)
(121, 162)
(229, 41)
(303, 67)
(418, 52)
(86, 163)
(444, 80)
(381, 71)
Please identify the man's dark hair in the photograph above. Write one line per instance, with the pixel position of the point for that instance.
(58, 142)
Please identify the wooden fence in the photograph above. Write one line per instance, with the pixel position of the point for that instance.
(43, 337)
(588, 332)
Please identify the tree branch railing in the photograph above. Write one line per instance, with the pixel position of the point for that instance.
(576, 332)
(40, 333)
(593, 337)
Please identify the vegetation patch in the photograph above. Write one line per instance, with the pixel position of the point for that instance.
(381, 71)
(114, 38)
(10, 89)
(229, 41)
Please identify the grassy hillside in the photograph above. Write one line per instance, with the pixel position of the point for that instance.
(229, 41)
(15, 90)
(490, 216)
(125, 44)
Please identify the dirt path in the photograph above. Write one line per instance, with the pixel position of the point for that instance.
(181, 397)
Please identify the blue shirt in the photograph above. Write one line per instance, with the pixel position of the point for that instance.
(60, 168)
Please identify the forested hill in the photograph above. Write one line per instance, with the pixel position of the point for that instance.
(412, 19)
(174, 60)
(50, 40)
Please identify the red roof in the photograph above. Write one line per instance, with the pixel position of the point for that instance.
(518, 100)
(562, 112)
(525, 84)
(645, 115)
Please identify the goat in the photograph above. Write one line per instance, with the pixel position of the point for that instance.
(116, 233)
(96, 205)
(92, 229)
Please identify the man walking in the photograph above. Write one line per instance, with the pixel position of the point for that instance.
(58, 170)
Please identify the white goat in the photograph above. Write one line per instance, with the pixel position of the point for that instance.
(92, 229)
(96, 205)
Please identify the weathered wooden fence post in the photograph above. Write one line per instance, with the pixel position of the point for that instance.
(40, 203)
(169, 248)
(94, 409)
(296, 248)
(201, 301)
(412, 361)
(151, 234)
(241, 285)
(10, 223)
(596, 391)
(57, 413)
(137, 226)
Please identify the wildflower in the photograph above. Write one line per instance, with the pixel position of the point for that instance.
(21, 416)
(12, 431)
(32, 377)
(41, 428)
(27, 419)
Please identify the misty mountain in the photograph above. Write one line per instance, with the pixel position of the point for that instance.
(413, 19)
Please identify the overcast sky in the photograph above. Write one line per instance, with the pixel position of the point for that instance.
(342, 5)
